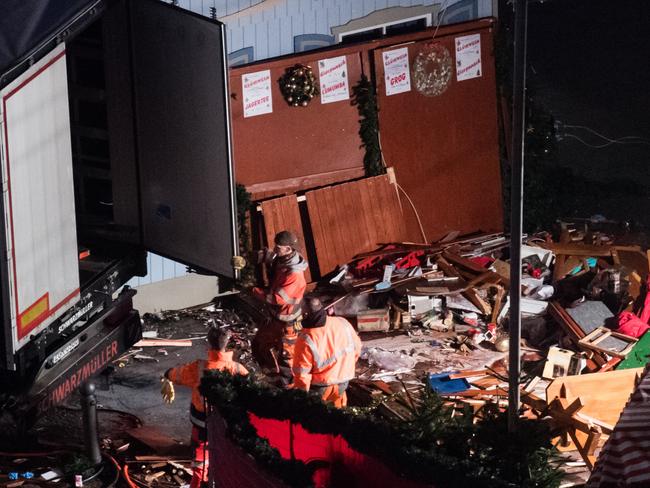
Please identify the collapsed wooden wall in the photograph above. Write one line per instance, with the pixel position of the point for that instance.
(340, 222)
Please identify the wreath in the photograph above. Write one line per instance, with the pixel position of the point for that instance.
(432, 70)
(298, 85)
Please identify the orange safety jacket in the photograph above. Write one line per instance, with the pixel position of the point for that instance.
(190, 374)
(326, 355)
(287, 288)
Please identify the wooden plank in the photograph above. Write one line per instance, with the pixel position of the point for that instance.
(284, 214)
(317, 228)
(290, 185)
(570, 249)
(352, 218)
(603, 395)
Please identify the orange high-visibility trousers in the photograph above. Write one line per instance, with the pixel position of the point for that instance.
(200, 457)
(334, 394)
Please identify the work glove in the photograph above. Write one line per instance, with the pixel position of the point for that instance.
(167, 391)
(238, 262)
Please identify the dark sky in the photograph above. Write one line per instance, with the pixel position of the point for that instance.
(591, 60)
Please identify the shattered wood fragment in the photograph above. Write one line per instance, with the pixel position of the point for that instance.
(163, 343)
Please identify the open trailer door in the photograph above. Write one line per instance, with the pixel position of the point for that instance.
(183, 136)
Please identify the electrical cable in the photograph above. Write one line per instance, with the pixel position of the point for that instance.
(607, 144)
(589, 129)
(408, 198)
(441, 15)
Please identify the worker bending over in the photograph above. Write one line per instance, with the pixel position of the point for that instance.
(284, 295)
(190, 375)
(326, 353)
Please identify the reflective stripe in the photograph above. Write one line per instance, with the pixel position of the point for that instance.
(299, 370)
(314, 351)
(283, 294)
(290, 317)
(197, 422)
(320, 364)
(335, 383)
(286, 340)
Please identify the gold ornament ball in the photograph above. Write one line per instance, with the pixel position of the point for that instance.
(289, 99)
(295, 104)
(300, 72)
(304, 103)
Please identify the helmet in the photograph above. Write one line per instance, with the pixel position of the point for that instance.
(286, 238)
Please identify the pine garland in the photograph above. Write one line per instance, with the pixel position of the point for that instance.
(365, 99)
(432, 448)
(244, 205)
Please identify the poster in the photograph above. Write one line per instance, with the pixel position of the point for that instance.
(256, 89)
(333, 73)
(468, 57)
(396, 71)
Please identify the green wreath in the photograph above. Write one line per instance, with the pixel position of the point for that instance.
(298, 85)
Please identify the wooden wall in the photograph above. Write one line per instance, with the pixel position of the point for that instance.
(445, 148)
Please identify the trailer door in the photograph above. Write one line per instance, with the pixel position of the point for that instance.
(40, 272)
(183, 136)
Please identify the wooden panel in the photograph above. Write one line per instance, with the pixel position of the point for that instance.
(283, 214)
(445, 149)
(352, 218)
(603, 394)
(291, 145)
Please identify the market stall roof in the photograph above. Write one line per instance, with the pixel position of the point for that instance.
(25, 24)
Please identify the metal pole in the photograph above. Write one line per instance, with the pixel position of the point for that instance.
(89, 408)
(516, 208)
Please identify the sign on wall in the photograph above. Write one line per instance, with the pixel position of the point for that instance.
(256, 89)
(396, 70)
(468, 57)
(333, 73)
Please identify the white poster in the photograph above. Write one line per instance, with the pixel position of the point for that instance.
(256, 88)
(333, 73)
(468, 57)
(396, 71)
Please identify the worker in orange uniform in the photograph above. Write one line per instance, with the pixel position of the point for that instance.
(326, 353)
(190, 375)
(284, 295)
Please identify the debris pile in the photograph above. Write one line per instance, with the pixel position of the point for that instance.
(436, 316)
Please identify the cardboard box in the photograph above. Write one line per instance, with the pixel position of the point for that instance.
(373, 320)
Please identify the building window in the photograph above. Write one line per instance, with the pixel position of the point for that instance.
(388, 29)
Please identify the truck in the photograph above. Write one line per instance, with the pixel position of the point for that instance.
(114, 141)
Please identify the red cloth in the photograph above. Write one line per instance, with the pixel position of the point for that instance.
(347, 467)
(631, 325)
(484, 261)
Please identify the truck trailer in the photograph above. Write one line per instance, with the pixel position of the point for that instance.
(114, 141)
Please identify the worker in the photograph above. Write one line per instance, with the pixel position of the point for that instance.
(326, 353)
(190, 375)
(287, 286)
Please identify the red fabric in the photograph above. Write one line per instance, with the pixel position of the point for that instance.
(482, 261)
(631, 325)
(347, 467)
(230, 465)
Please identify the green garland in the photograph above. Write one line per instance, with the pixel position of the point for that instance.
(431, 448)
(365, 99)
(244, 205)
